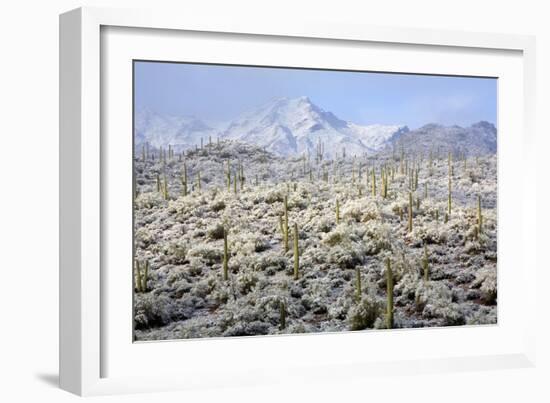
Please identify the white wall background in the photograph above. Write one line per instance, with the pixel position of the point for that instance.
(29, 187)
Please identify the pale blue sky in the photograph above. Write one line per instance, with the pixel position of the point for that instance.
(220, 93)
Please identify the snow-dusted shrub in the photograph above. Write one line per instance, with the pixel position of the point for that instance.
(274, 196)
(324, 225)
(486, 280)
(430, 233)
(155, 310)
(175, 252)
(246, 282)
(270, 260)
(215, 232)
(244, 328)
(217, 206)
(485, 315)
(339, 309)
(261, 245)
(360, 210)
(407, 286)
(149, 200)
(202, 288)
(144, 237)
(221, 293)
(334, 238)
(362, 315)
(315, 296)
(434, 300)
(208, 253)
(346, 257)
(376, 237)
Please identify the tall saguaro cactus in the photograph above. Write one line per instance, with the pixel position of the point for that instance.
(337, 211)
(165, 188)
(373, 182)
(449, 196)
(282, 315)
(389, 290)
(225, 255)
(138, 277)
(184, 179)
(285, 238)
(296, 253)
(479, 214)
(410, 226)
(228, 177)
(141, 278)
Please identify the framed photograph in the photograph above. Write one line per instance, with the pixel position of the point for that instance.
(263, 200)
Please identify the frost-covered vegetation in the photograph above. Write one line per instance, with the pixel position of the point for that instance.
(231, 240)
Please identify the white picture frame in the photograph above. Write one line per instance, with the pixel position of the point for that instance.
(87, 343)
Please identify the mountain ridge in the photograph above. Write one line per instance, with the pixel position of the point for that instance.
(295, 126)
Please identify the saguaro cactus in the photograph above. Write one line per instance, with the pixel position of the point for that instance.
(373, 182)
(158, 183)
(199, 180)
(389, 290)
(358, 290)
(410, 226)
(479, 214)
(165, 188)
(296, 253)
(228, 177)
(184, 179)
(141, 278)
(285, 238)
(225, 255)
(138, 277)
(337, 211)
(449, 197)
(241, 176)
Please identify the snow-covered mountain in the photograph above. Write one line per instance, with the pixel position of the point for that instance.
(295, 126)
(377, 136)
(182, 132)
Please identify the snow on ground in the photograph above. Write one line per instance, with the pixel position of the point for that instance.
(182, 240)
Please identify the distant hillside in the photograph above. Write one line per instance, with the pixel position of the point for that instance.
(477, 139)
